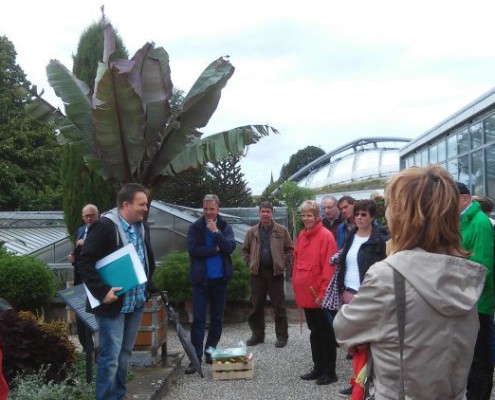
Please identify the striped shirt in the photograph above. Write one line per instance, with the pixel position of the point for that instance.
(136, 297)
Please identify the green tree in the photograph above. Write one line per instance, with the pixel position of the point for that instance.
(81, 185)
(89, 52)
(186, 188)
(299, 160)
(293, 196)
(128, 130)
(267, 195)
(29, 155)
(227, 181)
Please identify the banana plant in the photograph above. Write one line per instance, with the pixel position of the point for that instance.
(128, 130)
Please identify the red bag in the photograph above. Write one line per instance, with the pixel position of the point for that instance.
(4, 388)
(359, 360)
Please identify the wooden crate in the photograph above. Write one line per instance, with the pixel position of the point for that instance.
(239, 370)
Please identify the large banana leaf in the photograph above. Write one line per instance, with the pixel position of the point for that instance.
(74, 94)
(119, 122)
(152, 66)
(204, 96)
(217, 147)
(198, 107)
(68, 133)
(44, 113)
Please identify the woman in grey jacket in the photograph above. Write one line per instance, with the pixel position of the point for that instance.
(441, 290)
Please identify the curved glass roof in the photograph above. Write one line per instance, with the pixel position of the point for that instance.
(363, 159)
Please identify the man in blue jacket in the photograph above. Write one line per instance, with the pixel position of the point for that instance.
(210, 242)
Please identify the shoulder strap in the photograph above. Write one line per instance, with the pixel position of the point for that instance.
(400, 301)
(119, 231)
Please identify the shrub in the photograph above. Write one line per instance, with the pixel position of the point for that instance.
(29, 344)
(25, 281)
(238, 286)
(172, 275)
(36, 387)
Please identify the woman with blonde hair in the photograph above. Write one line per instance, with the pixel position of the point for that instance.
(441, 290)
(311, 275)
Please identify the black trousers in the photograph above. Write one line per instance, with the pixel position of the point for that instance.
(322, 339)
(262, 284)
(480, 380)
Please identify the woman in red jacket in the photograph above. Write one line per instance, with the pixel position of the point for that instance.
(312, 273)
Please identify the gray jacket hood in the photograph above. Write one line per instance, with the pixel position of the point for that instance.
(433, 275)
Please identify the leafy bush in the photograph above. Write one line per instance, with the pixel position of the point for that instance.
(238, 286)
(25, 281)
(172, 275)
(36, 387)
(29, 344)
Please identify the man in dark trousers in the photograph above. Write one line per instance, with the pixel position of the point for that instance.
(477, 238)
(268, 251)
(118, 316)
(210, 242)
(89, 215)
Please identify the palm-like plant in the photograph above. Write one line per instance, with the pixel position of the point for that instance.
(128, 129)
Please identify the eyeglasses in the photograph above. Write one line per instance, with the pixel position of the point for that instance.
(361, 214)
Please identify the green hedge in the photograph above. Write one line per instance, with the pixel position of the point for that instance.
(172, 275)
(25, 281)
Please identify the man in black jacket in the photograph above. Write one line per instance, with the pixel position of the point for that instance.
(118, 316)
(90, 214)
(210, 242)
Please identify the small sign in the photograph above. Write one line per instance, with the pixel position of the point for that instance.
(75, 298)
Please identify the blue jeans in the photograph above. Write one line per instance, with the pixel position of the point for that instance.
(215, 294)
(117, 336)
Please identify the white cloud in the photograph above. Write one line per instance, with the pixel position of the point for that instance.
(322, 72)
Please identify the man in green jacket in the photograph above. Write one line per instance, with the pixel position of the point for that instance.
(477, 237)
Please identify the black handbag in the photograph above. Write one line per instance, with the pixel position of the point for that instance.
(400, 301)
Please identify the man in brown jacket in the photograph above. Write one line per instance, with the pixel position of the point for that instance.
(267, 250)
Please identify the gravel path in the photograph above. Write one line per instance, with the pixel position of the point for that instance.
(276, 371)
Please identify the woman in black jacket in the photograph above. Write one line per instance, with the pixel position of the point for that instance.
(365, 246)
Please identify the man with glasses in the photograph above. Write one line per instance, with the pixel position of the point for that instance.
(89, 215)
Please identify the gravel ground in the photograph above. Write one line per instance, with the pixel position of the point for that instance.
(276, 371)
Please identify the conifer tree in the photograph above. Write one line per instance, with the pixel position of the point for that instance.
(29, 153)
(227, 181)
(186, 189)
(80, 185)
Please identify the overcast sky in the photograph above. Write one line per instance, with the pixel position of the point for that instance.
(323, 73)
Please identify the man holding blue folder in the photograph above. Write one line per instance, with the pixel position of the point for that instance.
(119, 315)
